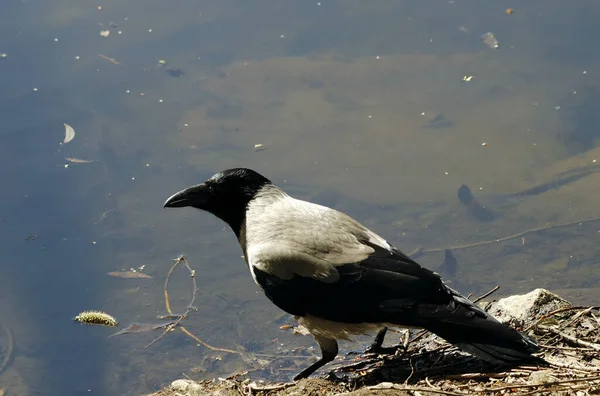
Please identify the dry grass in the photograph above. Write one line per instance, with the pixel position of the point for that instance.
(569, 338)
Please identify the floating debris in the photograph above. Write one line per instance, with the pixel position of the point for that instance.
(129, 275)
(69, 134)
(111, 60)
(3, 55)
(105, 33)
(490, 40)
(467, 78)
(439, 122)
(143, 327)
(259, 147)
(104, 215)
(162, 62)
(174, 72)
(96, 318)
(79, 161)
(509, 11)
(301, 330)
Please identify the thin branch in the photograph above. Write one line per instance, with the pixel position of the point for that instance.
(199, 341)
(565, 309)
(571, 367)
(389, 385)
(189, 308)
(418, 251)
(470, 376)
(551, 383)
(486, 294)
(253, 387)
(571, 339)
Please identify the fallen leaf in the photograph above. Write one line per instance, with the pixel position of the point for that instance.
(69, 134)
(111, 60)
(79, 161)
(129, 275)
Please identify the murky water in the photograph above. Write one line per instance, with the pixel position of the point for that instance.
(382, 110)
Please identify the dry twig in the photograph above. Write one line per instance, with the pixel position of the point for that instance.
(188, 309)
(569, 338)
(389, 385)
(551, 383)
(486, 294)
(418, 251)
(566, 309)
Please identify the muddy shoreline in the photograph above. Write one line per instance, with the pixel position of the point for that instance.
(568, 336)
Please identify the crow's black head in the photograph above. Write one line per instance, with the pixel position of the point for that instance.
(226, 195)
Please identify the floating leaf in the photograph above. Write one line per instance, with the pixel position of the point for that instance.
(79, 161)
(129, 275)
(111, 60)
(69, 134)
(490, 40)
(142, 327)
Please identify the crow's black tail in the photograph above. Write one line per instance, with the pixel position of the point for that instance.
(486, 338)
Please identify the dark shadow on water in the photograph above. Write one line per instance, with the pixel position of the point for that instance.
(581, 120)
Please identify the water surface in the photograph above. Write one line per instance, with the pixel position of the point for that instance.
(359, 106)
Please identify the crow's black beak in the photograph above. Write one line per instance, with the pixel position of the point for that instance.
(194, 196)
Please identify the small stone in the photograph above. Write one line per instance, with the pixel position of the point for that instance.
(523, 308)
(186, 387)
(541, 377)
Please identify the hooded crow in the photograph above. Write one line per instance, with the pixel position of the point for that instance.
(340, 279)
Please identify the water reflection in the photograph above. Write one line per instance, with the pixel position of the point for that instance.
(362, 107)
